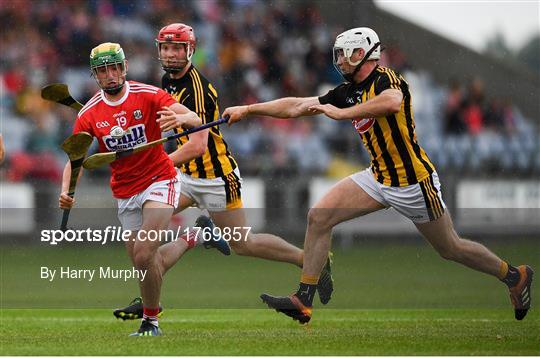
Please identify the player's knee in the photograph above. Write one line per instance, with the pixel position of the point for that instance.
(320, 218)
(142, 258)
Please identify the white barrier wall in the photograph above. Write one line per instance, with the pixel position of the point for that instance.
(498, 194)
(498, 206)
(482, 206)
(16, 208)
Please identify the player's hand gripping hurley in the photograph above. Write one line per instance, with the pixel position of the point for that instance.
(75, 147)
(100, 159)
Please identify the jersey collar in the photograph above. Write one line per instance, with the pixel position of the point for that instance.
(120, 101)
(368, 79)
(185, 77)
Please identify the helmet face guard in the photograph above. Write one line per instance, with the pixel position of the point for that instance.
(350, 41)
(176, 34)
(174, 65)
(105, 59)
(340, 52)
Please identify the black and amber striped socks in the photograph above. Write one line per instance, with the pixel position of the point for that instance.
(306, 289)
(509, 274)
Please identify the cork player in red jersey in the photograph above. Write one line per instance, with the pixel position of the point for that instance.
(124, 114)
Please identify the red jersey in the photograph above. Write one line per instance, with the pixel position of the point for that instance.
(135, 112)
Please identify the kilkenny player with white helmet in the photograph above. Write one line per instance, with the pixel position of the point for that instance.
(212, 180)
(377, 101)
(145, 184)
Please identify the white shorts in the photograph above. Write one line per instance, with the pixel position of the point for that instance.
(130, 210)
(216, 194)
(421, 202)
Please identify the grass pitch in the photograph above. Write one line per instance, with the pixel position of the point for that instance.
(263, 332)
(389, 300)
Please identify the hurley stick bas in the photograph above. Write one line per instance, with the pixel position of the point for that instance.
(59, 93)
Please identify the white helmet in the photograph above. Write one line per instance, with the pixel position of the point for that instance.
(350, 40)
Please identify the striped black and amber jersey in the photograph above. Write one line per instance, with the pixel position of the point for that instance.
(396, 157)
(195, 92)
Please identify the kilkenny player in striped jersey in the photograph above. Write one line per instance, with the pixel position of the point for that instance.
(378, 102)
(209, 175)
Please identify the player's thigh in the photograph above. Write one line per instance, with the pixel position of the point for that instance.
(156, 218)
(130, 243)
(158, 203)
(156, 215)
(233, 221)
(345, 200)
(440, 232)
(229, 218)
(183, 203)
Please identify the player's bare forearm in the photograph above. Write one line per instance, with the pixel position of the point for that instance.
(65, 201)
(66, 176)
(194, 148)
(387, 102)
(192, 119)
(288, 107)
(177, 116)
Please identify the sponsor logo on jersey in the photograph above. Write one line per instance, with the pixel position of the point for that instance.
(137, 114)
(362, 125)
(123, 113)
(359, 96)
(133, 136)
(103, 124)
(357, 99)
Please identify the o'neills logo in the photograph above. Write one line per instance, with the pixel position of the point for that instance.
(362, 125)
(133, 136)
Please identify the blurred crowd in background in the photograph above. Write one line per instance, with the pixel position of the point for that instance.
(252, 51)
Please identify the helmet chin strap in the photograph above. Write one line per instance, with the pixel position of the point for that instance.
(114, 90)
(178, 69)
(350, 76)
(174, 70)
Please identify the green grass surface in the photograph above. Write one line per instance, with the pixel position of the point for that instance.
(389, 300)
(263, 332)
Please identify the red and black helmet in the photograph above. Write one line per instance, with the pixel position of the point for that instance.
(178, 33)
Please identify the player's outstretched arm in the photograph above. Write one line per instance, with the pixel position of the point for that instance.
(389, 101)
(65, 201)
(288, 107)
(177, 116)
